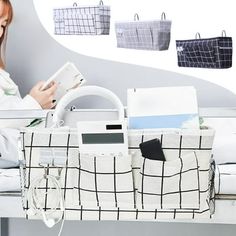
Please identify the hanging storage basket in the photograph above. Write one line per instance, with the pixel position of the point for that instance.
(121, 188)
(146, 35)
(205, 52)
(82, 20)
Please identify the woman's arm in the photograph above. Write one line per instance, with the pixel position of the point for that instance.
(17, 103)
(36, 99)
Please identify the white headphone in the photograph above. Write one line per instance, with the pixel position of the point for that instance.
(35, 196)
(86, 91)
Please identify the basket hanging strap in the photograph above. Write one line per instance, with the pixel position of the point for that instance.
(197, 35)
(136, 17)
(75, 4)
(101, 3)
(163, 16)
(223, 33)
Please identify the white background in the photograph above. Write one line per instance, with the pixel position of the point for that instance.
(209, 17)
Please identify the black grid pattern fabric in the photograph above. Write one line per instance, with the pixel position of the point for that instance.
(111, 187)
(82, 20)
(176, 147)
(146, 35)
(32, 143)
(169, 184)
(105, 181)
(205, 53)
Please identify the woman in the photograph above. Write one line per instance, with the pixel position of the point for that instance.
(10, 98)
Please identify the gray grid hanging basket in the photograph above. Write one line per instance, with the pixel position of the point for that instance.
(146, 35)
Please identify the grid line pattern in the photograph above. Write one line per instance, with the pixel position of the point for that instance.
(144, 35)
(82, 20)
(108, 183)
(170, 191)
(113, 183)
(205, 53)
(175, 146)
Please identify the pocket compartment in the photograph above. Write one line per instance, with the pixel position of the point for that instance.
(200, 54)
(145, 38)
(170, 184)
(105, 181)
(80, 24)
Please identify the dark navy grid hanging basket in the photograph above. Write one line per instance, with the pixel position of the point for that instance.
(205, 53)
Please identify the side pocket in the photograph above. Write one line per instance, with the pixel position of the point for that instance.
(59, 22)
(105, 181)
(163, 40)
(59, 26)
(225, 52)
(169, 184)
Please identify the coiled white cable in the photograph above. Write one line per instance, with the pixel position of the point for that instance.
(36, 198)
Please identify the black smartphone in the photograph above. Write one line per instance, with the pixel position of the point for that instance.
(152, 149)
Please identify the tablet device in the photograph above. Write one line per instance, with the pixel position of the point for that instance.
(68, 77)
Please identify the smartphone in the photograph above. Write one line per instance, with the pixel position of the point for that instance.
(152, 149)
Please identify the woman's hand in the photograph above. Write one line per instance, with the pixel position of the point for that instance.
(46, 97)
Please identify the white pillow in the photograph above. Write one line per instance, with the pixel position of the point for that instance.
(224, 146)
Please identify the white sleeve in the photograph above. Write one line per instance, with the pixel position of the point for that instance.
(9, 145)
(17, 103)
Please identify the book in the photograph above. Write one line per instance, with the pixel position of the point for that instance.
(67, 77)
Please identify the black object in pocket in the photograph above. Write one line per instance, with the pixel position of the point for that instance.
(152, 149)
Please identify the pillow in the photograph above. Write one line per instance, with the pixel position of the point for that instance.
(224, 146)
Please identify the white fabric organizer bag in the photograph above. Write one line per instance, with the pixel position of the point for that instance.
(120, 187)
(146, 35)
(82, 20)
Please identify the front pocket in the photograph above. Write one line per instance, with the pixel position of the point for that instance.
(169, 184)
(135, 38)
(105, 181)
(200, 54)
(145, 38)
(128, 38)
(80, 24)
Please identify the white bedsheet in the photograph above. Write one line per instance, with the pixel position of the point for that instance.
(224, 146)
(225, 179)
(9, 180)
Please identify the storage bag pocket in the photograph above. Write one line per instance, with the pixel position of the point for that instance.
(53, 141)
(169, 184)
(177, 144)
(145, 38)
(200, 54)
(80, 24)
(225, 46)
(104, 181)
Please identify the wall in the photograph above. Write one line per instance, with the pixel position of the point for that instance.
(33, 55)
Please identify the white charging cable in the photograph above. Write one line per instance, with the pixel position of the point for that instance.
(36, 198)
